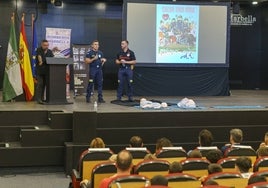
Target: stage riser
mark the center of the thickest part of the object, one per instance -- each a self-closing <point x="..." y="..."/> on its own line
<point x="15" y="118"/>
<point x="32" y="156"/>
<point x="45" y="137"/>
<point x="9" y="134"/>
<point x="61" y="120"/>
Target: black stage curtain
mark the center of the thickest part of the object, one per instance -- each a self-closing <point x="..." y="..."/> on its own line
<point x="188" y="81"/>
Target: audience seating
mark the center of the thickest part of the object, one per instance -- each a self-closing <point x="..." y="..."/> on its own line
<point x="227" y="164"/>
<point x="88" y="159"/>
<point x="129" y="181"/>
<point x="101" y="171"/>
<point x="195" y="166"/>
<point x="138" y="154"/>
<point x="172" y="154"/>
<point x="258" y="185"/>
<point x="260" y="164"/>
<point x="150" y="168"/>
<point x="240" y="150"/>
<point x="182" y="180"/>
<point x="228" y="179"/>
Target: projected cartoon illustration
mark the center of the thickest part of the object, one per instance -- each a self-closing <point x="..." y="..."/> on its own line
<point x="177" y="34"/>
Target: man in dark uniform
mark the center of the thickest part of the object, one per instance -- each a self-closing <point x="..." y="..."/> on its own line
<point x="95" y="60"/>
<point x="42" y="70"/>
<point x="126" y="60"/>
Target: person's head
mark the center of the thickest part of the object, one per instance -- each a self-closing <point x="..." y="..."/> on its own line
<point x="97" y="143"/>
<point x="214" y="168"/>
<point x="236" y="136"/>
<point x="213" y="156"/>
<point x="124" y="44"/>
<point x="175" y="167"/>
<point x="243" y="164"/>
<point x="205" y="138"/>
<point x="135" y="141"/>
<point x="266" y="138"/>
<point x="195" y="154"/>
<point x="159" y="180"/>
<point x="262" y="151"/>
<point x="95" y="45"/>
<point x="162" y="142"/>
<point x="44" y="44"/>
<point x="124" y="161"/>
<point x="256" y="179"/>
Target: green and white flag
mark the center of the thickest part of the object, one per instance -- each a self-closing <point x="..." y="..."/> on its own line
<point x="12" y="85"/>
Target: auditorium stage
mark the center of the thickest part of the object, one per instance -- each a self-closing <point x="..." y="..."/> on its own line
<point x="238" y="100"/>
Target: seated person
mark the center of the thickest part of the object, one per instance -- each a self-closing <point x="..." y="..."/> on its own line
<point x="123" y="165"/>
<point x="205" y="139"/>
<point x="150" y="156"/>
<point x="214" y="156"/>
<point x="97" y="143"/>
<point x="243" y="164"/>
<point x="256" y="179"/>
<point x="195" y="154"/>
<point x="236" y="137"/>
<point x="265" y="143"/>
<point x="175" y="167"/>
<point x="135" y="142"/>
<point x="262" y="152"/>
<point x="212" y="168"/>
<point x="162" y="142"/>
<point x="159" y="180"/>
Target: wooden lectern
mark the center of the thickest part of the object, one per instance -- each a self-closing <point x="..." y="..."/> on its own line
<point x="56" y="86"/>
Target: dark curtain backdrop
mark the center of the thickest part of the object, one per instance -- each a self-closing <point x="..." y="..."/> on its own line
<point x="181" y="81"/>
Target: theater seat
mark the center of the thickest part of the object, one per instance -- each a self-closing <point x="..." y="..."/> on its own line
<point x="241" y="150"/>
<point x="260" y="164"/>
<point x="138" y="154"/>
<point x="172" y="154"/>
<point x="150" y="168"/>
<point x="88" y="159"/>
<point x="258" y="185"/>
<point x="261" y="173"/>
<point x="182" y="180"/>
<point x="101" y="171"/>
<point x="227" y="164"/>
<point x="195" y="166"/>
<point x="205" y="150"/>
<point x="229" y="179"/>
<point x="129" y="181"/>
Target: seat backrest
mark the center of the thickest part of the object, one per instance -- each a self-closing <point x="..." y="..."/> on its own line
<point x="101" y="171"/>
<point x="258" y="185"/>
<point x="150" y="168"/>
<point x="130" y="181"/>
<point x="233" y="182"/>
<point x="227" y="164"/>
<point x="261" y="164"/>
<point x="182" y="180"/>
<point x="90" y="158"/>
<point x="138" y="154"/>
<point x="237" y="151"/>
<point x="205" y="150"/>
<point x="171" y="155"/>
<point x="195" y="166"/>
<point x="230" y="179"/>
<point x="261" y="173"/>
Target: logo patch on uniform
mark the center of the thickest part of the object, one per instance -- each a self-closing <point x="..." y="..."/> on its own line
<point x="128" y="54"/>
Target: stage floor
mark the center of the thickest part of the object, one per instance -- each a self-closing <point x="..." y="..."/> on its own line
<point x="238" y="100"/>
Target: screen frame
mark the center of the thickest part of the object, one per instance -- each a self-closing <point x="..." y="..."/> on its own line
<point x="228" y="28"/>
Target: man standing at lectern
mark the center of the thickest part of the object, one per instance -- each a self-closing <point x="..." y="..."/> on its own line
<point x="95" y="60"/>
<point x="126" y="60"/>
<point x="42" y="70"/>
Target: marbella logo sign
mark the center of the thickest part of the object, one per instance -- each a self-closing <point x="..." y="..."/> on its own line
<point x="238" y="20"/>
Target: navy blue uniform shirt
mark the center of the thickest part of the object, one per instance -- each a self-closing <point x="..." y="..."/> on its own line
<point x="96" y="63"/>
<point x="127" y="56"/>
